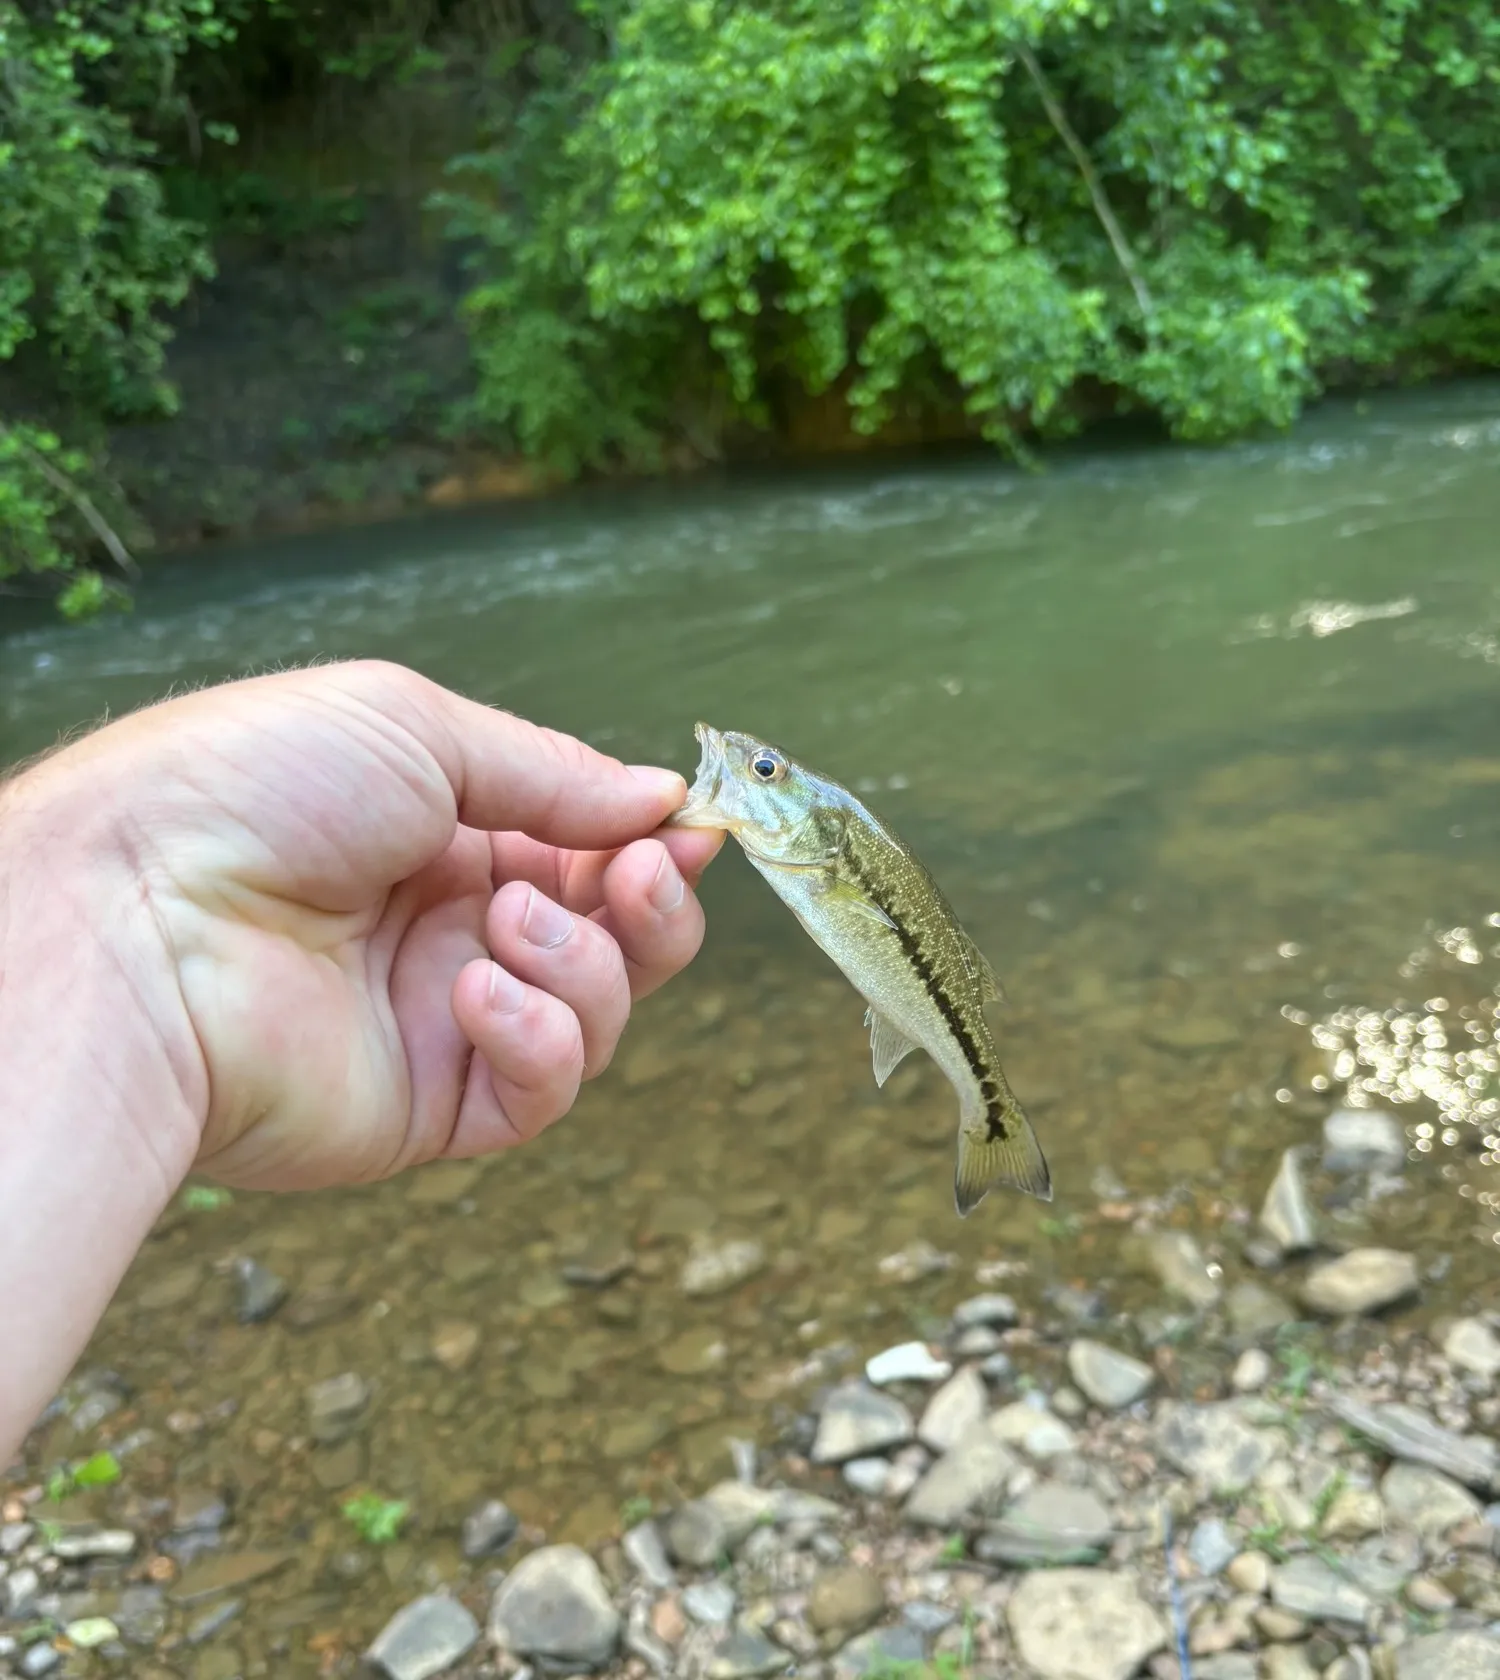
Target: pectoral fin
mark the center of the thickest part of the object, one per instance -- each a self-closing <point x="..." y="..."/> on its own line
<point x="851" y="898"/>
<point x="888" y="1044"/>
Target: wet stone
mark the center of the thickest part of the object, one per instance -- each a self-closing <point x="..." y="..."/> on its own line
<point x="1107" y="1377"/>
<point x="90" y="1632"/>
<point x="258" y="1291"/>
<point x="141" y="1614"/>
<point x="316" y="1308"/>
<point x="174" y="1288"/>
<point x="716" y="1268"/>
<point x="857" y="1421"/>
<point x="454" y="1344"/>
<point x="844" y="1601"/>
<point x="1052" y="1523"/>
<point x="225" y="1571"/>
<point x="1472" y="1346"/>
<point x="213" y="1621"/>
<point x="606" y="1259"/>
<point x="199" y="1511"/>
<point x="423" y="1639"/>
<point x="1466" y="1654"/>
<point x="1180" y="1265"/>
<point x="710" y="1603"/>
<point x="1362" y="1281"/>
<point x="960" y="1403"/>
<point x="1425" y="1500"/>
<point x="693" y="1352"/>
<point x="1406" y="1433"/>
<point x="743" y="1654"/>
<point x="993" y="1312"/>
<point x="1286" y="1216"/>
<point x="336" y="1407"/>
<point x="1083" y="1624"/>
<point x="442" y="1183"/>
<point x="1362" y="1140"/>
<point x="488" y="1529"/>
<point x="339" y="1467"/>
<point x="1214" y="1444"/>
<point x="554" y="1606"/>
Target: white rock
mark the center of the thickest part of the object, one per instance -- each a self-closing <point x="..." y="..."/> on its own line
<point x="1286" y="1216"/>
<point x="868" y="1476"/>
<point x="1109" y="1378"/>
<point x="1252" y="1371"/>
<point x="909" y="1362"/>
<point x="1361" y="1281"/>
<point x="1083" y="1624"/>
<point x="961" y="1402"/>
<point x="1359" y="1140"/>
<point x="1473" y="1346"/>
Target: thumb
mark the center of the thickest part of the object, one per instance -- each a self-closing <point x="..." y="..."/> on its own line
<point x="507" y="773"/>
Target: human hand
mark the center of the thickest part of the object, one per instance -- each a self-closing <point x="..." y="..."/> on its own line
<point x="394" y="925"/>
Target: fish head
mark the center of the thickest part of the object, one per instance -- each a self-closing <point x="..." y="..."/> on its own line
<point x="749" y="787"/>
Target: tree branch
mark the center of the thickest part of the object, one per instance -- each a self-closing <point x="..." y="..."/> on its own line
<point x="91" y="516"/>
<point x="1116" y="234"/>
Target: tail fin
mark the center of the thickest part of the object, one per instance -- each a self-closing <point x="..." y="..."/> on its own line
<point x="999" y="1150"/>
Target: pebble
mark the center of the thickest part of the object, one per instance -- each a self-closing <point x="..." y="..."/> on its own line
<point x="868" y="1476"/>
<point x="857" y="1421"/>
<point x="1250" y="1572"/>
<point x="993" y="1312"/>
<point x="39" y="1659"/>
<point x="1471" y="1345"/>
<point x="259" y="1293"/>
<point x="1083" y="1624"/>
<point x="606" y="1259"/>
<point x="1425" y="1594"/>
<point x="213" y="1621"/>
<point x="1211" y="1547"/>
<point x="643" y="1546"/>
<point x="1426" y="1500"/>
<point x="1406" y="1433"/>
<point x="554" y="1606"/>
<point x="1361" y="1140"/>
<point x="959" y="1404"/>
<point x="709" y="1602"/>
<point x="1354" y="1512"/>
<point x="1273" y="1623"/>
<point x="18" y="1592"/>
<point x="1036" y="1432"/>
<point x="1286" y="1215"/>
<point x="716" y="1268"/>
<point x="454" y="1344"/>
<point x="1180" y="1265"/>
<point x="909" y="1362"/>
<point x="743" y="1654"/>
<point x="423" y="1639"/>
<point x="977" y="1342"/>
<point x="668" y="1622"/>
<point x="695" y="1535"/>
<point x="225" y="1570"/>
<point x="844" y="1601"/>
<point x="1107" y="1377"/>
<point x="141" y="1614"/>
<point x="94" y="1543"/>
<point x="1362" y="1281"/>
<point x="13" y="1536"/>
<point x="488" y="1529"/>
<point x="1214" y="1444"/>
<point x="1288" y="1662"/>
<point x="335" y="1407"/>
<point x="1252" y="1371"/>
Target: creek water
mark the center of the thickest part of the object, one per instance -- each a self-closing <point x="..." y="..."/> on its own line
<point x="1200" y="744"/>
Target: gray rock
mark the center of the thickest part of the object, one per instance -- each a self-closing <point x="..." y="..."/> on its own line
<point x="907" y="1362"/>
<point x="488" y="1529"/>
<point x="1254" y="1311"/>
<point x="18" y="1592"/>
<point x="927" y="1618"/>
<point x="1406" y="1433"/>
<point x="1180" y="1265"/>
<point x="1309" y="1587"/>
<point x="1052" y="1523"/>
<point x="141" y="1614"/>
<point x="996" y="1312"/>
<point x="336" y="1407"/>
<point x="1032" y="1428"/>
<point x="1211" y="1547"/>
<point x="1362" y="1281"/>
<point x="881" y="1651"/>
<point x="844" y="1601"/>
<point x="426" y="1637"/>
<point x="1109" y="1378"/>
<point x="967" y="1478"/>
<point x="93" y="1543"/>
<point x="1214" y="1444"/>
<point x="13" y="1536"/>
<point x="1286" y="1215"/>
<point x="867" y="1475"/>
<point x="857" y="1421"/>
<point x="258" y="1292"/>
<point x="1361" y="1140"/>
<point x="554" y="1606"/>
<point x="39" y="1659"/>
<point x="1381" y="1565"/>
<point x="959" y="1404"/>
<point x="1225" y="1665"/>
<point x="1426" y="1500"/>
<point x="709" y="1602"/>
<point x="640" y="1640"/>
<point x="743" y="1654"/>
<point x="1083" y="1624"/>
<point x="648" y="1556"/>
<point x="1472" y="1346"/>
<point x="715" y="1268"/>
<point x="1467" y="1654"/>
<point x="696" y="1535"/>
<point x="979" y="1341"/>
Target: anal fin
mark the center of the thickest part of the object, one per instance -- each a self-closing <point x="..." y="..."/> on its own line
<point x="888" y="1044"/>
<point x="1000" y="1150"/>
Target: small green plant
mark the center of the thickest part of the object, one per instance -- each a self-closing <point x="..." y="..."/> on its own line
<point x="205" y="1198"/>
<point x="634" y="1510"/>
<point x="954" y="1549"/>
<point x="99" y="1471"/>
<point x="1060" y="1227"/>
<point x="1267" y="1537"/>
<point x="378" y="1521"/>
<point x="1324" y="1503"/>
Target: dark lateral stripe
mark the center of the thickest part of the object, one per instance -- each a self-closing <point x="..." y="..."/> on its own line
<point x="993" y="1113"/>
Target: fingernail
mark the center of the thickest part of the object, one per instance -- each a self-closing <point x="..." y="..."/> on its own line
<point x="507" y="994"/>
<point x="545" y="923"/>
<point x="666" y="784"/>
<point x="668" y="887"/>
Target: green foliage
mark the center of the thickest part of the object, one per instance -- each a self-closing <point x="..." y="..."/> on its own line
<point x="1199" y="205"/>
<point x="205" y="1198"/>
<point x="102" y="1470"/>
<point x="376" y="1520"/>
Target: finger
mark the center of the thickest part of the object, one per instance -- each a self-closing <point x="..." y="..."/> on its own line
<point x="528" y="1062"/>
<point x="576" y="879"/>
<point x="570" y="957"/>
<point x="652" y="914"/>
<point x="506" y="773"/>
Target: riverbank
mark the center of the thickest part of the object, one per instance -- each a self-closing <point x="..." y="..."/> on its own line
<point x="1290" y="1480"/>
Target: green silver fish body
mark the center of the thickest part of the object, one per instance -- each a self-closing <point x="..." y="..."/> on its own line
<point x="867" y="901"/>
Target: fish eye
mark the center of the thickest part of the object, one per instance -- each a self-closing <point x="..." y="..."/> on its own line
<point x="768" y="767"/>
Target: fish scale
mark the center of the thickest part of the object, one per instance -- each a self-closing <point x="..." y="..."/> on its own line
<point x="869" y="903"/>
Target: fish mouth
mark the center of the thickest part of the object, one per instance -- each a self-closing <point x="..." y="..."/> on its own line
<point x="700" y="809"/>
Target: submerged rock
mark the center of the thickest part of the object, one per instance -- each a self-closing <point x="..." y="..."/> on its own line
<point x="715" y="1268"/>
<point x="488" y="1529"/>
<point x="1361" y="1140"/>
<point x="258" y="1291"/>
<point x="554" y="1606"/>
<point x="336" y="1407"/>
<point x="1361" y="1281"/>
<point x="1180" y="1265"/>
<point x="1286" y="1216"/>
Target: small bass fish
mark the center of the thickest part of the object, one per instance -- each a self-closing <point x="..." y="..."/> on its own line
<point x="870" y="905"/>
